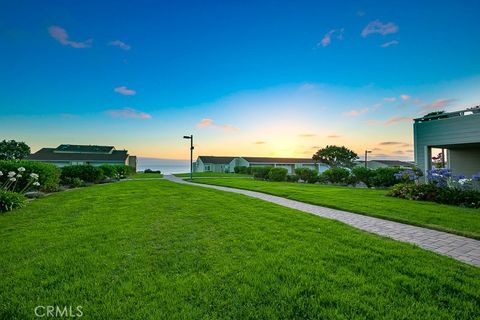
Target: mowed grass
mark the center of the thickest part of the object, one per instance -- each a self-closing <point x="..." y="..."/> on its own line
<point x="143" y="175"/>
<point x="154" y="249"/>
<point x="212" y="174"/>
<point x="462" y="221"/>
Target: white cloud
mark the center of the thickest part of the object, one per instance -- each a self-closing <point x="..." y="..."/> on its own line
<point x="379" y="27"/>
<point x="125" y="91"/>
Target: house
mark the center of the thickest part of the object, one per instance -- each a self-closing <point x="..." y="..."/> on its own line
<point x="70" y="154"/>
<point x="375" y="164"/>
<point x="214" y="164"/>
<point x="456" y="134"/>
<point x="228" y="164"/>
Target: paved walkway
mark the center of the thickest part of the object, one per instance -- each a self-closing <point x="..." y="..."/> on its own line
<point x="457" y="247"/>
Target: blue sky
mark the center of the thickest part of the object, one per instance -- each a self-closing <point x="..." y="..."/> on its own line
<point x="246" y="77"/>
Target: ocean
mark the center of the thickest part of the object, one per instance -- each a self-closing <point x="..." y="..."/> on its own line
<point x="166" y="166"/>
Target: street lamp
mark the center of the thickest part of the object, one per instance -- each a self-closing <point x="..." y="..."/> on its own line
<point x="366" y="153"/>
<point x="191" y="154"/>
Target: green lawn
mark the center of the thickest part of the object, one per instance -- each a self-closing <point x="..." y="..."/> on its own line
<point x="213" y="174"/>
<point x="142" y="175"/>
<point x="462" y="221"/>
<point x="140" y="250"/>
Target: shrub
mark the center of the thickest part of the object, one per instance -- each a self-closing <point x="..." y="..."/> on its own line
<point x="408" y="175"/>
<point x="277" y="174"/>
<point x="362" y="174"/>
<point x="336" y="175"/>
<point x="123" y="171"/>
<point x="86" y="173"/>
<point x="152" y="171"/>
<point x="292" y="178"/>
<point x="306" y="174"/>
<point x="11" y="200"/>
<point x="261" y="172"/>
<point x="48" y="174"/>
<point x="108" y="170"/>
<point x="432" y="192"/>
<point x="242" y="169"/>
<point x="385" y="177"/>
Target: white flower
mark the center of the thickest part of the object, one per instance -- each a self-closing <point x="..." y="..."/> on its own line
<point x="36" y="184"/>
<point x="11" y="174"/>
<point x="13" y="179"/>
<point x="19" y="175"/>
<point x="1" y="173"/>
<point x="21" y="169"/>
<point x="463" y="181"/>
<point x="34" y="176"/>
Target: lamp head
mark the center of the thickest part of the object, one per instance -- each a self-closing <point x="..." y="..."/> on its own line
<point x="187" y="137"/>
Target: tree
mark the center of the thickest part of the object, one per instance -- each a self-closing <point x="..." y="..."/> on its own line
<point x="13" y="150"/>
<point x="336" y="156"/>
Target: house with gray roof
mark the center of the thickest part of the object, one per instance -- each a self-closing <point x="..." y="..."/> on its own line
<point x="375" y="164"/>
<point x="71" y="154"/>
<point x="456" y="134"/>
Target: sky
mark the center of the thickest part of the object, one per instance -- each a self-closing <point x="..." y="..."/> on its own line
<point x="246" y="78"/>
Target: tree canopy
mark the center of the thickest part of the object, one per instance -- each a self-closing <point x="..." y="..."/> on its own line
<point x="13" y="150"/>
<point x="336" y="156"/>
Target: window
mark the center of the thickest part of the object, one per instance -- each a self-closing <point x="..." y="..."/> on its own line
<point x="207" y="168"/>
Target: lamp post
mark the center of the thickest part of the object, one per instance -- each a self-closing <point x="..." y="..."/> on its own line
<point x="191" y="154"/>
<point x="366" y="155"/>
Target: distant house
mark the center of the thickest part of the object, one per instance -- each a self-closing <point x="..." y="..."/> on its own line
<point x="70" y="154"/>
<point x="214" y="164"/>
<point x="228" y="164"/>
<point x="375" y="164"/>
<point x="457" y="134"/>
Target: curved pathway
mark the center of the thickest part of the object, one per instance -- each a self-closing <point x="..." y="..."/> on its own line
<point x="457" y="247"/>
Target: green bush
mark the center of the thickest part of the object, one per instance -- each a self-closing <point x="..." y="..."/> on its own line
<point x="48" y="174"/>
<point x="123" y="171"/>
<point x="277" y="174"/>
<point x="292" y="178"/>
<point x="152" y="171"/>
<point x="362" y="174"/>
<point x="307" y="174"/>
<point x="11" y="200"/>
<point x="261" y="172"/>
<point x="108" y="170"/>
<point x="86" y="173"/>
<point x="385" y="177"/>
<point x="242" y="169"/>
<point x="431" y="192"/>
<point x="336" y="175"/>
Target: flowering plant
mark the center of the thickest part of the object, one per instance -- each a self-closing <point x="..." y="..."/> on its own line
<point x="12" y="179"/>
<point x="444" y="178"/>
<point x="407" y="175"/>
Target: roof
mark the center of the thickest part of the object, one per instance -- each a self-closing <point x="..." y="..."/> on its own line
<point x="49" y="154"/>
<point x="394" y="163"/>
<point x="279" y="160"/>
<point x="83" y="148"/>
<point x="216" y="160"/>
<point x="439" y="115"/>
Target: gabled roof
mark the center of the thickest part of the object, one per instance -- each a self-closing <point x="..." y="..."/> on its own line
<point x="83" y="148"/>
<point x="216" y="160"/>
<point x="49" y="154"/>
<point x="279" y="160"/>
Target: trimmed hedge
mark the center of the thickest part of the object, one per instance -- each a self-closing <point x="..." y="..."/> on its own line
<point x="362" y="174"/>
<point x="307" y="175"/>
<point x="86" y="173"/>
<point x="243" y="169"/>
<point x="260" y="172"/>
<point x="336" y="175"/>
<point x="48" y="174"/>
<point x="385" y="177"/>
<point x="277" y="174"/>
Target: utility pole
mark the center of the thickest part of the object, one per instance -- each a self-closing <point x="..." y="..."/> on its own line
<point x="191" y="154"/>
<point x="366" y="155"/>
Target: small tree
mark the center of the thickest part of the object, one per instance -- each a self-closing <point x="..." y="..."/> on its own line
<point x="13" y="150"/>
<point x="336" y="156"/>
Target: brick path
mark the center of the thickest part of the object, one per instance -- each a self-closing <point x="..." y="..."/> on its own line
<point x="457" y="247"/>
